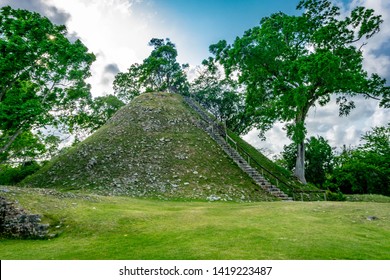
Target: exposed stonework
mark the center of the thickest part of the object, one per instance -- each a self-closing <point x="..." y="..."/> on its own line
<point x="16" y="222"/>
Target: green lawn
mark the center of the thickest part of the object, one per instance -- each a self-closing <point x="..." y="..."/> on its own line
<point x="97" y="227"/>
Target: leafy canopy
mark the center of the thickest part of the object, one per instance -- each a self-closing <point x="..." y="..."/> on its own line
<point x="220" y="96"/>
<point x="365" y="169"/>
<point x="94" y="115"/>
<point x="158" y="72"/>
<point x="42" y="78"/>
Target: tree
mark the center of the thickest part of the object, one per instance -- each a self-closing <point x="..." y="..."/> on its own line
<point x="94" y="115"/>
<point x="158" y="72"/>
<point x="220" y="96"/>
<point x="42" y="77"/>
<point x="292" y="63"/>
<point x="127" y="85"/>
<point x="11" y="175"/>
<point x="103" y="108"/>
<point x="161" y="71"/>
<point x="318" y="160"/>
<point x="378" y="141"/>
<point x="365" y="169"/>
<point x="26" y="147"/>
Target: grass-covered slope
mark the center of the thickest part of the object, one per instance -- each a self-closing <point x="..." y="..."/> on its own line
<point x="152" y="147"/>
<point x="101" y="227"/>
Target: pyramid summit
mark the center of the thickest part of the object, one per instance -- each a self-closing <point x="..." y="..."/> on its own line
<point x="152" y="147"/>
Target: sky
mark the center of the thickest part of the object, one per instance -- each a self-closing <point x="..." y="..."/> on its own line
<point x="118" y="32"/>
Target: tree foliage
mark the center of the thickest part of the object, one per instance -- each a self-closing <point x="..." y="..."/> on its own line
<point x="103" y="108"/>
<point x="11" y="175"/>
<point x="365" y="169"/>
<point x="42" y="78"/>
<point x="319" y="159"/>
<point x="220" y="96"/>
<point x="158" y="72"/>
<point x="292" y="63"/>
<point x="127" y="85"/>
<point x="378" y="141"/>
<point x="94" y="115"/>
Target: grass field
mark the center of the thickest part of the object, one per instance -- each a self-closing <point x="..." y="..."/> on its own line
<point x="98" y="227"/>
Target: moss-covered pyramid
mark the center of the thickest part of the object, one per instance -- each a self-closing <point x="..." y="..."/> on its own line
<point x="152" y="147"/>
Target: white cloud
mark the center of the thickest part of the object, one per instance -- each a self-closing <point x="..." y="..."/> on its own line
<point x="41" y="7"/>
<point x="117" y="31"/>
<point x="275" y="140"/>
<point x="377" y="51"/>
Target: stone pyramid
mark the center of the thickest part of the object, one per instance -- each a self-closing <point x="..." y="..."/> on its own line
<point x="153" y="147"/>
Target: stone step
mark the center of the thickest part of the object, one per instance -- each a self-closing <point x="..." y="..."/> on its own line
<point x="247" y="168"/>
<point x="273" y="189"/>
<point x="278" y="193"/>
<point x="257" y="176"/>
<point x="264" y="186"/>
<point x="262" y="181"/>
<point x="265" y="183"/>
<point x="235" y="156"/>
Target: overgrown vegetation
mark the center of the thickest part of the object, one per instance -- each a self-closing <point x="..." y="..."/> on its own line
<point x="10" y="175"/>
<point x="361" y="170"/>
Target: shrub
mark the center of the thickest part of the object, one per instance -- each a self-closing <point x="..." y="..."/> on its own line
<point x="12" y="175"/>
<point x="335" y="196"/>
<point x="361" y="174"/>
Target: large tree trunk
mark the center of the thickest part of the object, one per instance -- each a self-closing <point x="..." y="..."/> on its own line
<point x="300" y="163"/>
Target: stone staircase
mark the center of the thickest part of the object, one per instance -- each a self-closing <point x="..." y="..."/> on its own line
<point x="215" y="131"/>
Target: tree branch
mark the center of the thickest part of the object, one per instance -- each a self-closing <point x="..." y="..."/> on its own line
<point x="370" y="96"/>
<point x="11" y="140"/>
